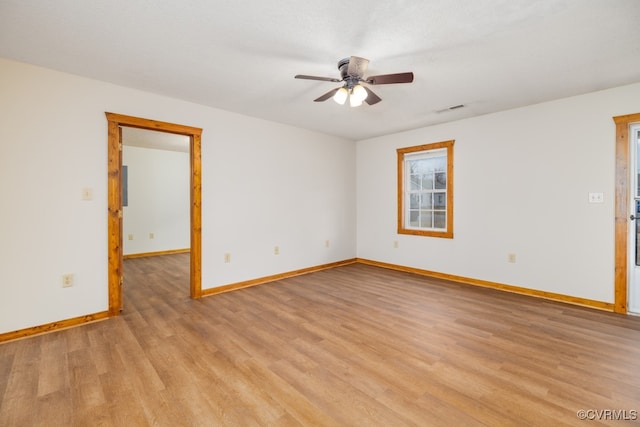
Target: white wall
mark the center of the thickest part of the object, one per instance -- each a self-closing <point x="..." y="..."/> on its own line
<point x="274" y="185"/>
<point x="158" y="195"/>
<point x="522" y="179"/>
<point x="263" y="184"/>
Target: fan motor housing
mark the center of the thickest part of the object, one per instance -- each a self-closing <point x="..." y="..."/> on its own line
<point x="343" y="66"/>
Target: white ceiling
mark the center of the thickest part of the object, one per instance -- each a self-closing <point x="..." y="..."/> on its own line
<point x="156" y="140"/>
<point x="241" y="55"/>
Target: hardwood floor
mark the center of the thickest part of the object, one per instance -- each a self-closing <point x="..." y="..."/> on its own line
<point x="354" y="345"/>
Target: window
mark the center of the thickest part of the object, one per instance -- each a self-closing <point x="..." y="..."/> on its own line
<point x="425" y="190"/>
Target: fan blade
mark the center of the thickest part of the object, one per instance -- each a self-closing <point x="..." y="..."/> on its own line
<point x="385" y="79"/>
<point x="324" y="79"/>
<point x="372" y="98"/>
<point x="327" y="95"/>
<point x="357" y="66"/>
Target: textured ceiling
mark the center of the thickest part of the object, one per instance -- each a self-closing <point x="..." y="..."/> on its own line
<point x="241" y="56"/>
<point x="155" y="140"/>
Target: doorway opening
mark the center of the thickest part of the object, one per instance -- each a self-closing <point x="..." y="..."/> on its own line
<point x="155" y="197"/>
<point x="633" y="305"/>
<point x="115" y="210"/>
<point x="623" y="210"/>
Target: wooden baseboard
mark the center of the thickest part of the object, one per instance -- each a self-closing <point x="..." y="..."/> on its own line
<point x="53" y="326"/>
<point x="267" y="279"/>
<point x="500" y="286"/>
<point x="68" y="323"/>
<point x="145" y="254"/>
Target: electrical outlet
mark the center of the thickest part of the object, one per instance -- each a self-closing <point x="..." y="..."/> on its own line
<point x="326" y="243"/>
<point x="395" y="244"/>
<point x="67" y="280"/>
<point x="276" y="250"/>
<point x="596" y="198"/>
<point x="130" y="236"/>
<point x="511" y="258"/>
<point x="227" y="257"/>
<point x="151" y="236"/>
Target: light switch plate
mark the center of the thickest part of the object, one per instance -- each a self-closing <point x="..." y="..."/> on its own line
<point x="87" y="194"/>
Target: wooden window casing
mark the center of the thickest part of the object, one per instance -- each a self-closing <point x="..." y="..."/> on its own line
<point x="403" y="203"/>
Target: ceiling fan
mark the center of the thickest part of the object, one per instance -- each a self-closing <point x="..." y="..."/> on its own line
<point x="352" y="74"/>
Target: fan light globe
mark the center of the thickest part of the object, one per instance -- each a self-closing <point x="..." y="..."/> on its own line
<point x="341" y="96"/>
<point x="359" y="93"/>
<point x="354" y="101"/>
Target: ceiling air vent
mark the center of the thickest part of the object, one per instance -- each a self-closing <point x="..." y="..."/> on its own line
<point x="453" y="107"/>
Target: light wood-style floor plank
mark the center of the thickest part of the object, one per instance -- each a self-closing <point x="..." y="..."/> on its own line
<point x="354" y="345"/>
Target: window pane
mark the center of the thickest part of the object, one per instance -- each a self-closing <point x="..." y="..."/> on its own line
<point x="441" y="180"/>
<point x="439" y="220"/>
<point x="426" y="218"/>
<point x="413" y="219"/>
<point x="440" y="201"/>
<point x="440" y="164"/>
<point x="415" y="182"/>
<point x="421" y="166"/>
<point x="426" y="201"/>
<point x="415" y="201"/>
<point x="427" y="181"/>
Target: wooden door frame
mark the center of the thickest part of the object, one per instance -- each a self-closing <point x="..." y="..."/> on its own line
<point x="622" y="210"/>
<point x="115" y="251"/>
